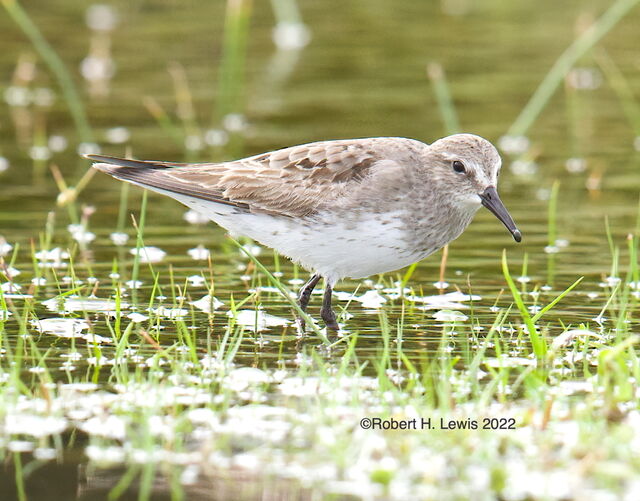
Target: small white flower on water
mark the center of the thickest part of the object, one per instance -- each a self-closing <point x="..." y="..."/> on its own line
<point x="10" y="272"/>
<point x="450" y="316"/>
<point x="196" y="280"/>
<point x="567" y="337"/>
<point x="199" y="253"/>
<point x="134" y="284"/>
<point x="80" y="234"/>
<point x="189" y="475"/>
<point x="63" y="327"/>
<point x="506" y="361"/>
<point x="207" y="303"/>
<point x="33" y="425"/>
<point x="95" y="68"/>
<point x="193" y="143"/>
<point x="195" y="217"/>
<point x="552" y="249"/>
<point x="101" y="17"/>
<point x="45" y="453"/>
<point x="613" y="281"/>
<point x="172" y="313"/>
<point x="40" y="153"/>
<point x="58" y="143"/>
<point x="149" y="254"/>
<point x="10" y="287"/>
<point x="118" y="135"/>
<point x="449" y="301"/>
<point x="76" y="303"/>
<point x="137" y="317"/>
<point x="88" y="149"/>
<point x="371" y="299"/>
<point x="441" y="285"/>
<point x="257" y="320"/>
<point x="243" y="377"/>
<point x="290" y="35"/>
<point x="234" y="122"/>
<point x="523" y="168"/>
<point x="575" y="165"/>
<point x="5" y="247"/>
<point x="584" y="78"/>
<point x="54" y="255"/>
<point x="109" y="426"/>
<point x="20" y="446"/>
<point x="16" y="95"/>
<point x="216" y="137"/>
<point x="105" y="455"/>
<point x="119" y="238"/>
<point x="514" y="145"/>
<point x="254" y="250"/>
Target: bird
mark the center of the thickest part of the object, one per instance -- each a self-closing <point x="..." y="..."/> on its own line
<point x="346" y="208"/>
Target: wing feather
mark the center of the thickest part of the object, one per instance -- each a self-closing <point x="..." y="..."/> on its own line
<point x="293" y="181"/>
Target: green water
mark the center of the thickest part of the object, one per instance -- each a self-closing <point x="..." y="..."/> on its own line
<point x="362" y="74"/>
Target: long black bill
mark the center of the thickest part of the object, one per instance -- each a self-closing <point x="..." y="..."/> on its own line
<point x="491" y="201"/>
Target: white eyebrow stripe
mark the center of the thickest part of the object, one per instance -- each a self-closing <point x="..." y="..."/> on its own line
<point x="450" y="156"/>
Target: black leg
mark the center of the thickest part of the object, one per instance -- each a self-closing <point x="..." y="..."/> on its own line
<point x="305" y="295"/>
<point x="307" y="289"/>
<point x="327" y="313"/>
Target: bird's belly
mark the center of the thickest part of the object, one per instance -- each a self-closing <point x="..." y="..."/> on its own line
<point x="336" y="247"/>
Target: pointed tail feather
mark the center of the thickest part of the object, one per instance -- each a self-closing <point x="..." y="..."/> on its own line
<point x="149" y="174"/>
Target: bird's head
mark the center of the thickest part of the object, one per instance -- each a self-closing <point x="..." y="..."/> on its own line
<point x="469" y="166"/>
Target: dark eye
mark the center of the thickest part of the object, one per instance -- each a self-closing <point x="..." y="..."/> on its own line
<point x="458" y="166"/>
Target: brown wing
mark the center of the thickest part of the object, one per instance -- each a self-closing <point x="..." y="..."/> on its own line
<point x="293" y="181"/>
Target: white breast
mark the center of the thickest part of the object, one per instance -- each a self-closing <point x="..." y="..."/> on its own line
<point x="353" y="247"/>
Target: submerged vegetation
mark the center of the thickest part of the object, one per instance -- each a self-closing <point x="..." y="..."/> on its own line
<point x="139" y="359"/>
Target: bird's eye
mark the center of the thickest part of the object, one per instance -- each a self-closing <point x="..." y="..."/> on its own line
<point x="458" y="166"/>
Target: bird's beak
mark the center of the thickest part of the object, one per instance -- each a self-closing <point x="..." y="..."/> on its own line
<point x="491" y="201"/>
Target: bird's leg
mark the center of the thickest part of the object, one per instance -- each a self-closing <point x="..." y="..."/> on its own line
<point x="305" y="295"/>
<point x="326" y="312"/>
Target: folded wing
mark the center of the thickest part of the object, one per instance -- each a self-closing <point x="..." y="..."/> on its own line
<point x="292" y="182"/>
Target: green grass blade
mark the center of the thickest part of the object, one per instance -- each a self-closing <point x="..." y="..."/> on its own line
<point x="563" y="64"/>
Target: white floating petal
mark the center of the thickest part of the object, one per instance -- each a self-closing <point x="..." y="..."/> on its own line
<point x="149" y="254"/>
<point x="207" y="303"/>
<point x="257" y="320"/>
